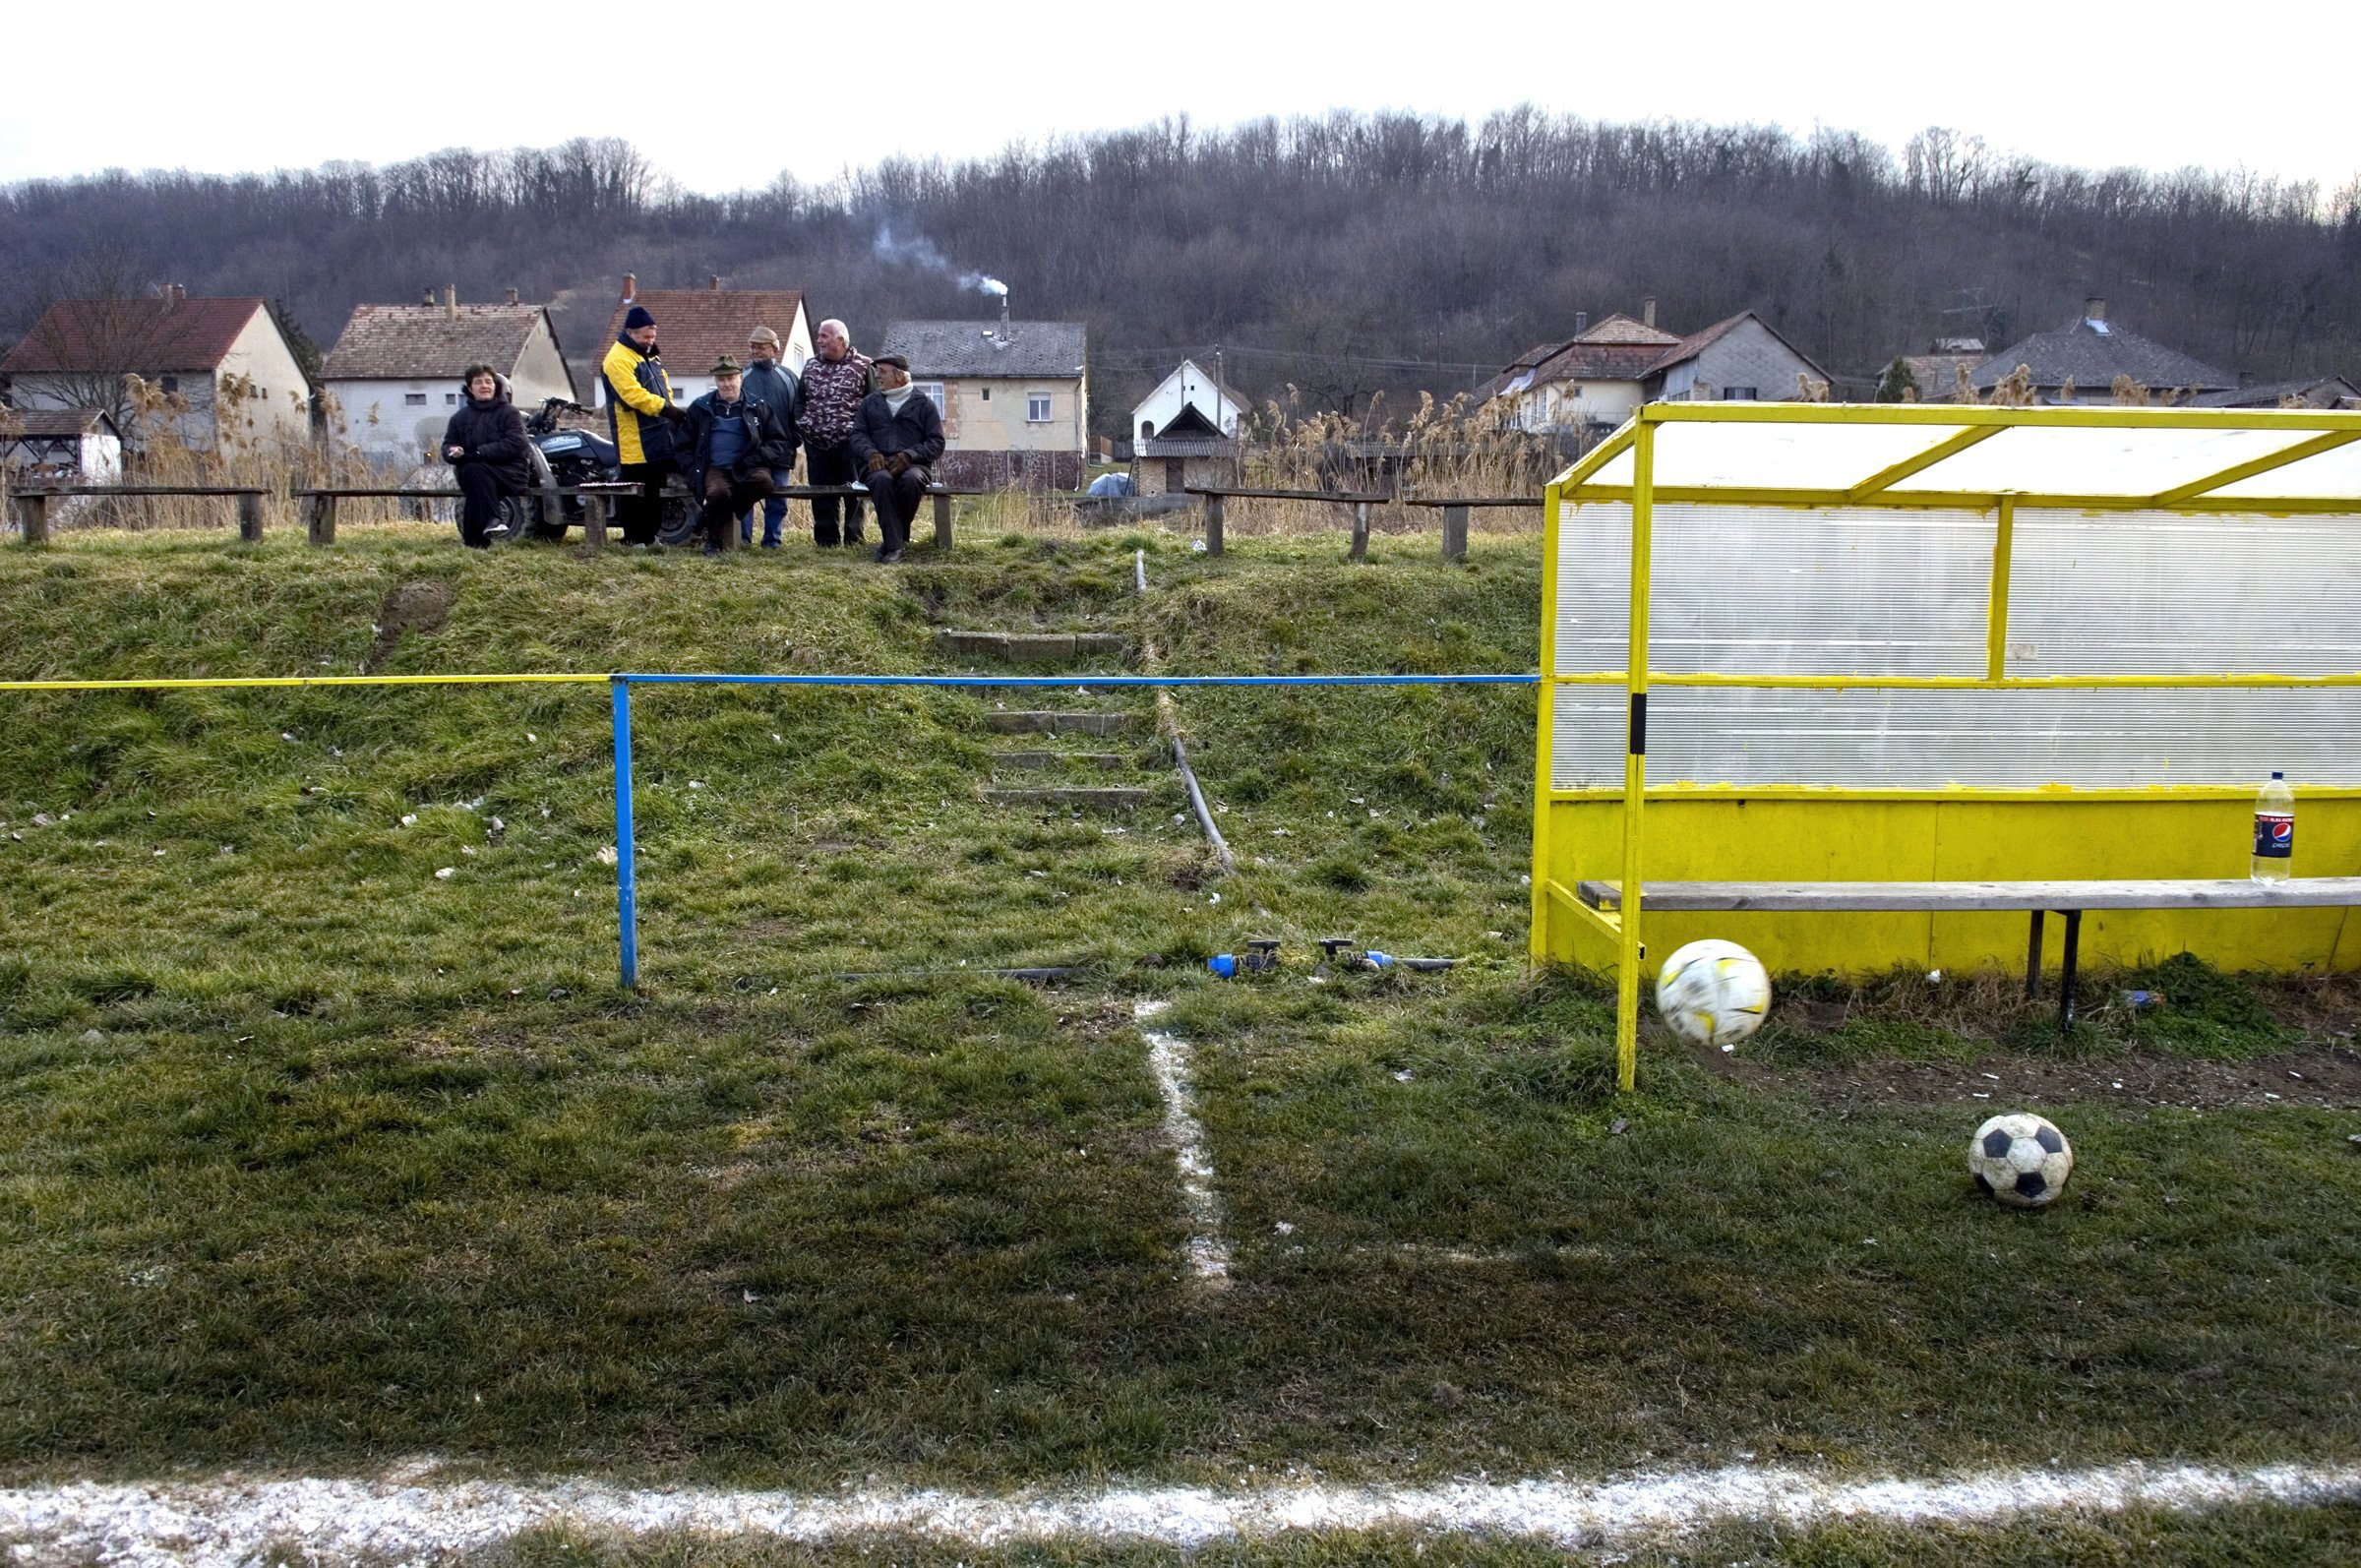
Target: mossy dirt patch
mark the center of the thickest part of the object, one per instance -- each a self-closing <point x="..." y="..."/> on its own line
<point x="413" y="607"/>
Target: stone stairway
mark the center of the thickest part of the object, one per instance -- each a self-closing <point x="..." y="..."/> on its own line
<point x="1057" y="777"/>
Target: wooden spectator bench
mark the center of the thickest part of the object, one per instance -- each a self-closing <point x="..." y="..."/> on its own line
<point x="2068" y="898"/>
<point x="941" y="494"/>
<point x="1455" y="516"/>
<point x="32" y="503"/>
<point x="1360" y="501"/>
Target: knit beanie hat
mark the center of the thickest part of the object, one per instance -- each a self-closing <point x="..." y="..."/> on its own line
<point x="636" y="318"/>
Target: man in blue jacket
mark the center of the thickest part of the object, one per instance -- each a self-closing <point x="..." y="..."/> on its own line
<point x="771" y="384"/>
<point x="897" y="437"/>
<point x="737" y="447"/>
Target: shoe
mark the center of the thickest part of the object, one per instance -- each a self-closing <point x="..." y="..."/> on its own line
<point x="854" y="538"/>
<point x="495" y="531"/>
<point x="770" y="544"/>
<point x="712" y="550"/>
<point x="888" y="555"/>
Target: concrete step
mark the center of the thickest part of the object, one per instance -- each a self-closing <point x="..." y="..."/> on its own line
<point x="1102" y="800"/>
<point x="1058" y="722"/>
<point x="1018" y="761"/>
<point x="1033" y="648"/>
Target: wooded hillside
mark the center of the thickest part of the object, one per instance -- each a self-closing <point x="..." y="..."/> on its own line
<point x="1345" y="254"/>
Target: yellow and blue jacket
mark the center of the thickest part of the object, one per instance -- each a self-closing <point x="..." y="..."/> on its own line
<point x="638" y="393"/>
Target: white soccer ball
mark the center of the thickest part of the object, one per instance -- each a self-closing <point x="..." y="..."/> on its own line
<point x="2022" y="1158"/>
<point x="1714" y="992"/>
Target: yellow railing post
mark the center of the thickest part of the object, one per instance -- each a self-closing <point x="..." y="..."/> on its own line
<point x="1635" y="753"/>
<point x="1544" y="764"/>
<point x="1996" y="607"/>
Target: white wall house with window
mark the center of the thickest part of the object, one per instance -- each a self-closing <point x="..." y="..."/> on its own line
<point x="1015" y="398"/>
<point x="1596" y="378"/>
<point x="393" y="377"/>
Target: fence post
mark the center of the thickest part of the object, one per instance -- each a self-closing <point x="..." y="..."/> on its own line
<point x="626" y="890"/>
<point x="594" y="521"/>
<point x="323" y="520"/>
<point x="250" y="516"/>
<point x="1361" y="532"/>
<point x="1213" y="526"/>
<point x="1455" y="533"/>
<point x="33" y="511"/>
<point x="942" y="525"/>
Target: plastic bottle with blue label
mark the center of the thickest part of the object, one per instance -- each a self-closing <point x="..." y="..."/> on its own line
<point x="2275" y="831"/>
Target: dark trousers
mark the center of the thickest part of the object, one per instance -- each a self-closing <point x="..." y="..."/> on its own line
<point x="640" y="515"/>
<point x="832" y="466"/>
<point x="726" y="496"/>
<point x="896" y="497"/>
<point x="479" y="506"/>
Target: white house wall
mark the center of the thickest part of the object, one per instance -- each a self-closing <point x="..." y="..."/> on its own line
<point x="261" y="356"/>
<point x="1187" y="385"/>
<point x="376" y="417"/>
<point x="540" y="372"/>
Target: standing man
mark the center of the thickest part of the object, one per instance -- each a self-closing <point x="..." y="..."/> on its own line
<point x="773" y="384"/>
<point x="735" y="447"/>
<point x="898" y="435"/>
<point x="835" y="380"/>
<point x="640" y="416"/>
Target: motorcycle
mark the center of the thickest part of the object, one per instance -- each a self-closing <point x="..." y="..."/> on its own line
<point x="565" y="456"/>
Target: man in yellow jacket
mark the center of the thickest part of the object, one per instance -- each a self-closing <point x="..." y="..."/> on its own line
<point x="642" y="418"/>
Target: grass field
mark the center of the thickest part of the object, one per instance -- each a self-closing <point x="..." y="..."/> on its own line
<point x="313" y="1161"/>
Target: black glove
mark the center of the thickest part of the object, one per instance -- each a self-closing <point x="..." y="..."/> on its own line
<point x="676" y="413"/>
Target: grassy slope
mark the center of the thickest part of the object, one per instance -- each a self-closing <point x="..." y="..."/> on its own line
<point x="361" y="1163"/>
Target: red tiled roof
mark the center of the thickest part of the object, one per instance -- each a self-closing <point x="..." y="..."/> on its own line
<point x="697" y="326"/>
<point x="131" y="334"/>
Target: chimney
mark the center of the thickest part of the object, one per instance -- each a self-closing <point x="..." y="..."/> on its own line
<point x="2094" y="308"/>
<point x="631" y="287"/>
<point x="713" y="282"/>
<point x="175" y="294"/>
<point x="2246" y="379"/>
<point x="451" y="301"/>
<point x="1582" y="322"/>
<point x="1005" y="334"/>
<point x="426" y="295"/>
<point x="512" y="296"/>
<point x="1648" y="311"/>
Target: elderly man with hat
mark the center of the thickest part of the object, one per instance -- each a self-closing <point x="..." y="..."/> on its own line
<point x="642" y="418"/>
<point x="770" y="383"/>
<point x="896" y="438"/>
<point x="738" y="448"/>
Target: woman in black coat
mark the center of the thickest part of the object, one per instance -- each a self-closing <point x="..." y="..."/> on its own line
<point x="485" y="444"/>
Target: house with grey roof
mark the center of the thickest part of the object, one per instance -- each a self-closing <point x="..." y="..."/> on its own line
<point x="1015" y="398"/>
<point x="393" y="373"/>
<point x="2304" y="391"/>
<point x="1596" y="378"/>
<point x="2088" y="353"/>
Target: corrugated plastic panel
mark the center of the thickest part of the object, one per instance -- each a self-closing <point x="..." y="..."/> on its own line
<point x="2069" y="461"/>
<point x="2159" y="593"/>
<point x="1779" y="591"/>
<point x="1993" y="740"/>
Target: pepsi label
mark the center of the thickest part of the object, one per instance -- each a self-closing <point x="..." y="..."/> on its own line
<point x="2274" y="834"/>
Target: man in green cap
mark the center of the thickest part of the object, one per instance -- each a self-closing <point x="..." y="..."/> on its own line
<point x="739" y="450"/>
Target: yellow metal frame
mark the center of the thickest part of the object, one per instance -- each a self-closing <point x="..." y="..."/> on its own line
<point x="1972" y="425"/>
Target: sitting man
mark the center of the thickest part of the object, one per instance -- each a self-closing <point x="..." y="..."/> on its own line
<point x="739" y="450"/>
<point x="895" y="437"/>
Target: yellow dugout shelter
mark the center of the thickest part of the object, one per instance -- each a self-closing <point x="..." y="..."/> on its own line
<point x="1918" y="642"/>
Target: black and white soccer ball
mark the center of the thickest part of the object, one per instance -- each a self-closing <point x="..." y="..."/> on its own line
<point x="1714" y="992"/>
<point x="2021" y="1159"/>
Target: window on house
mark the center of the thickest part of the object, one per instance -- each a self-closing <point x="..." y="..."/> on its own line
<point x="933" y="392"/>
<point x="413" y="399"/>
<point x="987" y="394"/>
<point x="1036" y="409"/>
<point x="451" y="399"/>
<point x="1739" y="395"/>
<point x="170" y="384"/>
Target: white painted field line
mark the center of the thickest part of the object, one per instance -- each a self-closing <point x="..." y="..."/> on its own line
<point x="1168" y="1057"/>
<point x="223" y="1522"/>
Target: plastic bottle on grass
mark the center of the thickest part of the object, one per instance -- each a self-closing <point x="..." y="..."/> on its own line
<point x="2274" y="830"/>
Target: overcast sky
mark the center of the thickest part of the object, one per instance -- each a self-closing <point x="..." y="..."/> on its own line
<point x="2268" y="86"/>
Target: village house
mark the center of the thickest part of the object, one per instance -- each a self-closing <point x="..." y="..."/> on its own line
<point x="230" y="377"/>
<point x="393" y="377"/>
<point x="1933" y="376"/>
<point x="59" y="446"/>
<point x="696" y="326"/>
<point x="1015" y="398"/>
<point x="1187" y="433"/>
<point x="1596" y="378"/>
<point x="2087" y="354"/>
<point x="2304" y="391"/>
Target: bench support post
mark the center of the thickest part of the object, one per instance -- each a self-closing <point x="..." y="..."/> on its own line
<point x="250" y="517"/>
<point x="1455" y="533"/>
<point x="943" y="525"/>
<point x="594" y="520"/>
<point x="2074" y="931"/>
<point x="1213" y="526"/>
<point x="33" y="511"/>
<point x="323" y="521"/>
<point x="2032" y="959"/>
<point x="1361" y="532"/>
